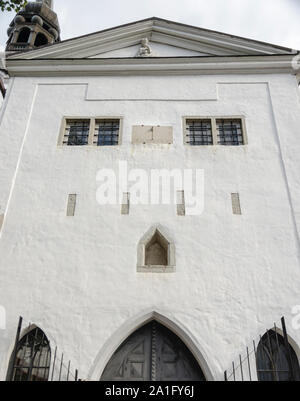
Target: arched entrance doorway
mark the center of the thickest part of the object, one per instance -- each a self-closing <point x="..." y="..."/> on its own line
<point x="152" y="353"/>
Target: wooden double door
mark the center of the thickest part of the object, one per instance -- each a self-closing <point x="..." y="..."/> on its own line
<point x="153" y="353"/>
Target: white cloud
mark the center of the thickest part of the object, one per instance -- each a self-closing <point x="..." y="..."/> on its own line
<point x="274" y="21"/>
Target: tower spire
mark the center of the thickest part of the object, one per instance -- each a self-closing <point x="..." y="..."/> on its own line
<point x="48" y="3"/>
<point x="34" y="26"/>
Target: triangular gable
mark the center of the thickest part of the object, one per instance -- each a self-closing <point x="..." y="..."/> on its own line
<point x="173" y="40"/>
<point x="157" y="50"/>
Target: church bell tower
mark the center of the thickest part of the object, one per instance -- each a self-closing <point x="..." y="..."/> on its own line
<point x="34" y="26"/>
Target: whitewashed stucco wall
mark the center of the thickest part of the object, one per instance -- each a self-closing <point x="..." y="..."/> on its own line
<point x="76" y="277"/>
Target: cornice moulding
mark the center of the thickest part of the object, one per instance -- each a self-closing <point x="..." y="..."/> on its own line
<point x="154" y="66"/>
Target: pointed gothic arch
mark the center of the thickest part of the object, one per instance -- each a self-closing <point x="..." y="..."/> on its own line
<point x="30" y="361"/>
<point x="153" y="353"/>
<point x="156" y="251"/>
<point x="132" y="325"/>
<point x="276" y="360"/>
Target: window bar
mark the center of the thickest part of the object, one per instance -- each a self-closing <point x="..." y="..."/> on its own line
<point x="233" y="132"/>
<point x="263" y="352"/>
<point x="40" y="351"/>
<point x="76" y="375"/>
<point x="76" y="133"/>
<point x="278" y="346"/>
<point x="2" y="88"/>
<point x="249" y="367"/>
<point x="225" y="376"/>
<point x="241" y="366"/>
<point x="54" y="361"/>
<point x="61" y="364"/>
<point x="11" y="375"/>
<point x="199" y="132"/>
<point x="230" y="132"/>
<point x="254" y="348"/>
<point x="33" y="353"/>
<point x="287" y="346"/>
<point x="47" y="363"/>
<point x="107" y="132"/>
<point x="18" y="368"/>
<point x="69" y="364"/>
<point x="271" y="353"/>
<point x="233" y="371"/>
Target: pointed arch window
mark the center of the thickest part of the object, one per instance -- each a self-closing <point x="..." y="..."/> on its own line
<point x="276" y="361"/>
<point x="33" y="356"/>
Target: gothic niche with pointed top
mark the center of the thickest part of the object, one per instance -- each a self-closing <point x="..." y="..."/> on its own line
<point x="156" y="252"/>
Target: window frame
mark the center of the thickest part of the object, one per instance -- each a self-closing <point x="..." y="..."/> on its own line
<point x="92" y="128"/>
<point x="214" y="129"/>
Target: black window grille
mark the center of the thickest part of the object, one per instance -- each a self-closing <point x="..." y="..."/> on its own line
<point x="77" y="133"/>
<point x="199" y="132"/>
<point x="276" y="360"/>
<point x="33" y="355"/>
<point x="107" y="132"/>
<point x="230" y="132"/>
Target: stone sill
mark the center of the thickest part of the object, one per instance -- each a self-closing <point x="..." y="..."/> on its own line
<point x="155" y="269"/>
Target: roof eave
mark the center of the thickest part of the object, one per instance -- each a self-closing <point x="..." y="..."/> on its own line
<point x="153" y="66"/>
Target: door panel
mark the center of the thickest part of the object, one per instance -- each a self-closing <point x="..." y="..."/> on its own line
<point x="152" y="353"/>
<point x="131" y="360"/>
<point x="174" y="361"/>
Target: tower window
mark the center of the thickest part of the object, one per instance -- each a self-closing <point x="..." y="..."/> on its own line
<point x="230" y="132"/>
<point x="199" y="132"/>
<point x="76" y="132"/>
<point x="106" y="132"/>
<point x="24" y="35"/>
<point x="40" y="40"/>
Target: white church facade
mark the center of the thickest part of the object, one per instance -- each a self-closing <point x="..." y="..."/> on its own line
<point x="141" y="288"/>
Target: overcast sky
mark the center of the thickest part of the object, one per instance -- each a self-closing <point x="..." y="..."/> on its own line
<point x="274" y="21"/>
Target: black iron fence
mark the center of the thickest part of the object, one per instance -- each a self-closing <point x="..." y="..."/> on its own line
<point x="269" y="358"/>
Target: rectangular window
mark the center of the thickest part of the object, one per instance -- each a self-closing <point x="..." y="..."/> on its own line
<point x="230" y="132"/>
<point x="90" y="131"/>
<point x="106" y="132"/>
<point x="199" y="132"/>
<point x="76" y="133"/>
